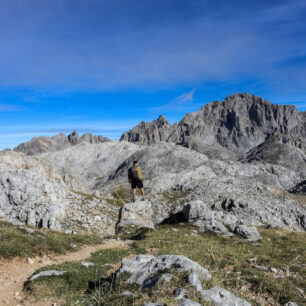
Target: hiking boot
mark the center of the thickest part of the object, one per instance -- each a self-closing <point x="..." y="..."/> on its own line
<point x="143" y="199"/>
<point x="133" y="200"/>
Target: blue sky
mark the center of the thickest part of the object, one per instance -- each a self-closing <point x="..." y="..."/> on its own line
<point x="103" y="66"/>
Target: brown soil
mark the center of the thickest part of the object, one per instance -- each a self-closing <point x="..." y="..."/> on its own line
<point x="14" y="273"/>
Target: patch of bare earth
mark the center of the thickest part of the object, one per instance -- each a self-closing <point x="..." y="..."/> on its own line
<point x="14" y="273"/>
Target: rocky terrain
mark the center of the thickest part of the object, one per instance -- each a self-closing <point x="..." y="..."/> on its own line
<point x="58" y="142"/>
<point x="230" y="128"/>
<point x="231" y="169"/>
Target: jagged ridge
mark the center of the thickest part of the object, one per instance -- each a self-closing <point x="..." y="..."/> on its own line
<point x="58" y="142"/>
<point x="237" y="124"/>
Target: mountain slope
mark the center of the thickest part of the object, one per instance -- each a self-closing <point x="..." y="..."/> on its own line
<point x="58" y="142"/>
<point x="237" y="124"/>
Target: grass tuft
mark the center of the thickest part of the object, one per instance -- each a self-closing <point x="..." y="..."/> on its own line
<point x="15" y="242"/>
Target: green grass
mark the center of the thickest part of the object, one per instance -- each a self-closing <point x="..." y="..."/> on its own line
<point x="80" y="279"/>
<point x="86" y="196"/>
<point x="14" y="242"/>
<point x="226" y="259"/>
<point x="121" y="196"/>
<point x="175" y="198"/>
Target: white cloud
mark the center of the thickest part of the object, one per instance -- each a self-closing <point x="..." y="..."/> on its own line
<point x="181" y="104"/>
<point x="186" y="97"/>
<point x="8" y="108"/>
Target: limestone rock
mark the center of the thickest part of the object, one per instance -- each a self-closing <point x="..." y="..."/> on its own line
<point x="188" y="302"/>
<point x="221" y="297"/>
<point x="250" y="233"/>
<point x="27" y="196"/>
<point x="261" y="268"/>
<point x="127" y="293"/>
<point x="87" y="264"/>
<point x="92" y="164"/>
<point x="179" y="294"/>
<point x="47" y="273"/>
<point x="150" y="132"/>
<point x="158" y="280"/>
<point x="299" y="188"/>
<point x="194" y="281"/>
<point x="138" y="214"/>
<point x="274" y="151"/>
<point x="212" y="226"/>
<point x="143" y="267"/>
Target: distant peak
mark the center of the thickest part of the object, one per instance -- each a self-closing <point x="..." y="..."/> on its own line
<point x="239" y="95"/>
<point x="74" y="133"/>
<point x="162" y="118"/>
<point x="73" y="138"/>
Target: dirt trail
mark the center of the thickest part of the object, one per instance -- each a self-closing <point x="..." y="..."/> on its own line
<point x="15" y="272"/>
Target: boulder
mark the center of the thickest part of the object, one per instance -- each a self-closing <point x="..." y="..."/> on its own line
<point x="47" y="273"/>
<point x="221" y="297"/>
<point x="158" y="280"/>
<point x="194" y="281"/>
<point x="212" y="226"/>
<point x="188" y="302"/>
<point x="138" y="214"/>
<point x="143" y="267"/>
<point x="179" y="294"/>
<point x="196" y="210"/>
<point x="250" y="233"/>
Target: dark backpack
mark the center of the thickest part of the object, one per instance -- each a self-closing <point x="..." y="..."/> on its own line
<point x="134" y="172"/>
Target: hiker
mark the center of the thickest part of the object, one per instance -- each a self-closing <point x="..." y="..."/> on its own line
<point x="135" y="178"/>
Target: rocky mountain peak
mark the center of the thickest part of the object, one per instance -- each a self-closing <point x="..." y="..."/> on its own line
<point x="238" y="124"/>
<point x="162" y="120"/>
<point x="74" y="138"/>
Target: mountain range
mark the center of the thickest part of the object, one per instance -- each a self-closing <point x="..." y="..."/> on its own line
<point x="243" y="127"/>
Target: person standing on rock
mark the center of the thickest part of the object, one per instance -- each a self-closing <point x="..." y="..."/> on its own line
<point x="135" y="178"/>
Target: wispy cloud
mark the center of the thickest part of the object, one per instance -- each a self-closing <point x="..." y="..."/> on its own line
<point x="183" y="103"/>
<point x="8" y="108"/>
<point x="186" y="97"/>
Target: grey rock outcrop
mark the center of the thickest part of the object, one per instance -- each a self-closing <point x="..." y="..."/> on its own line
<point x="30" y="196"/>
<point x="150" y="132"/>
<point x="274" y="151"/>
<point x="212" y="226"/>
<point x="221" y="297"/>
<point x="218" y="193"/>
<point x="158" y="159"/>
<point x="250" y="233"/>
<point x="94" y="163"/>
<point x="188" y="302"/>
<point x="143" y="267"/>
<point x="38" y="193"/>
<point x="299" y="188"/>
<point x="73" y="138"/>
<point x="138" y="214"/>
<point x="56" y="143"/>
<point x="179" y="294"/>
